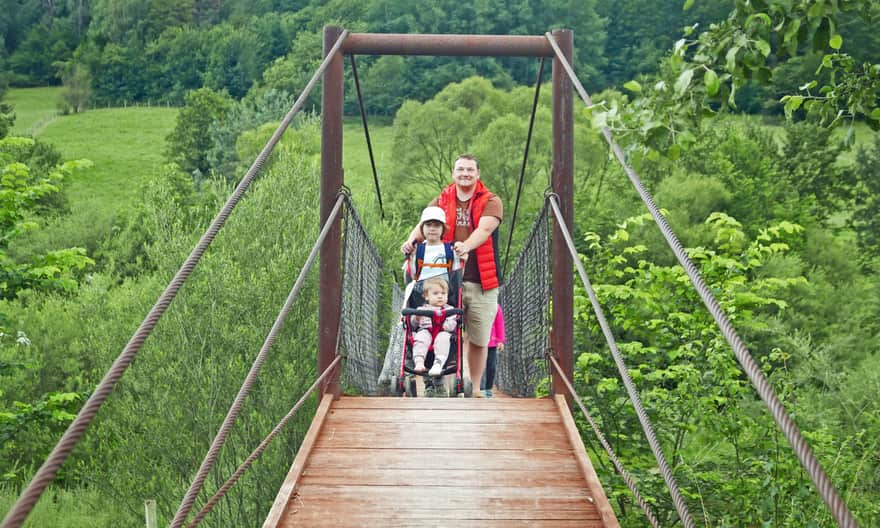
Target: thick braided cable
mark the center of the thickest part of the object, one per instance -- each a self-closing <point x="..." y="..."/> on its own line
<point x="260" y="448"/>
<point x="668" y="477"/>
<point x="624" y="474"/>
<point x="46" y="474"/>
<point x="235" y="408"/>
<point x="820" y="479"/>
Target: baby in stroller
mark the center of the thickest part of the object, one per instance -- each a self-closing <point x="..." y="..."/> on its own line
<point x="428" y="333"/>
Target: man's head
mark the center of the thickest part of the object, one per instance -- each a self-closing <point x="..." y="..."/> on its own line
<point x="465" y="172"/>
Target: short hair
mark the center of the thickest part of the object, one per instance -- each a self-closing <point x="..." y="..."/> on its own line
<point x="435" y="282"/>
<point x="467" y="156"/>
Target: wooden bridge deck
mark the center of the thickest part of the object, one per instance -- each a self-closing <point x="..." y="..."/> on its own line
<point x="442" y="461"/>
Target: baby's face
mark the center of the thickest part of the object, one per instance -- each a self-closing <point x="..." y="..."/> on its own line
<point x="436" y="296"/>
<point x="432" y="230"/>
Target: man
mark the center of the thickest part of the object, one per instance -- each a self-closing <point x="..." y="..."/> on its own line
<point x="475" y="214"/>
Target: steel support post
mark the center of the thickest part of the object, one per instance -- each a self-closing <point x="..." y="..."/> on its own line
<point x="331" y="182"/>
<point x="563" y="185"/>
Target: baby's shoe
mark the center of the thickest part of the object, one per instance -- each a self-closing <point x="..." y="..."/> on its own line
<point x="420" y="365"/>
<point x="436" y="370"/>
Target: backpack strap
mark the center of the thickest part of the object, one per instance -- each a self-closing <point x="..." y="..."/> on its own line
<point x="420" y="260"/>
<point x="450" y="255"/>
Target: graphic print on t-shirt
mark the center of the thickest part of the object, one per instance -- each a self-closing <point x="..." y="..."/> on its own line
<point x="461" y="216"/>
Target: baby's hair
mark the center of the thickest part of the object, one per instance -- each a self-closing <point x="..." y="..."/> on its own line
<point x="435" y="282"/>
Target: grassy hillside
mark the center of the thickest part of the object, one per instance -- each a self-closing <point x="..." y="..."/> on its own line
<point x="34" y="107"/>
<point x="126" y="147"/>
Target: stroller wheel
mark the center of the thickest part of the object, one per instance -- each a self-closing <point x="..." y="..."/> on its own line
<point x="397" y="386"/>
<point x="411" y="387"/>
<point x="468" y="388"/>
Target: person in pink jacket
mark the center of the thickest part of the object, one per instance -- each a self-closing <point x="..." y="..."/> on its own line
<point x="496" y="344"/>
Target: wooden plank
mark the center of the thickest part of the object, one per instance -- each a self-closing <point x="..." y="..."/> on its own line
<point x="496" y="404"/>
<point x="417" y="475"/>
<point x="470" y="416"/>
<point x="443" y="436"/>
<point x="434" y="461"/>
<point x="435" y="519"/>
<point x="580" y="453"/>
<point x="359" y="514"/>
<point x="569" y="498"/>
<point x="497" y="459"/>
<point x="286" y="491"/>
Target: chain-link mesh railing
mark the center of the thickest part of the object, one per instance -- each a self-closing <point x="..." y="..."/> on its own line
<point x="360" y="321"/>
<point x="525" y="299"/>
<point x="395" y="343"/>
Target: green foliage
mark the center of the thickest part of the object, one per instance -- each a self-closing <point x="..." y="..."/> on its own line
<point x="190" y="141"/>
<point x="7" y="116"/>
<point x="255" y="110"/>
<point x="77" y="87"/>
<point x="866" y="216"/>
<point x="724" y="449"/>
<point x="20" y="191"/>
<point x="27" y="433"/>
<point x="703" y="74"/>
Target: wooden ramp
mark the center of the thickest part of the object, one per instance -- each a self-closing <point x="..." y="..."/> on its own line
<point x="441" y="462"/>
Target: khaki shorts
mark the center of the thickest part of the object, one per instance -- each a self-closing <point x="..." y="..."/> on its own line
<point x="480" y="308"/>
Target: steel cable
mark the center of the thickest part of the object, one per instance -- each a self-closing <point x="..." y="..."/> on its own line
<point x="820" y="479"/>
<point x="46" y="474"/>
<point x="235" y="408"/>
<point x="522" y="172"/>
<point x="668" y="477"/>
<point x="357" y="86"/>
<point x="260" y="448"/>
<point x="627" y="479"/>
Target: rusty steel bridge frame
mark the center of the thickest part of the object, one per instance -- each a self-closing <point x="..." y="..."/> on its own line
<point x="332" y="177"/>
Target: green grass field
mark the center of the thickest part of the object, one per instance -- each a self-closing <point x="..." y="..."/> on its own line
<point x="34" y="107"/>
<point x="125" y="146"/>
<point x="63" y="509"/>
<point x="356" y="159"/>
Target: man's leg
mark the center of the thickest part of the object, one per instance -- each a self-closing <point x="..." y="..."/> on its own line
<point x="476" y="364"/>
<point x="480" y="308"/>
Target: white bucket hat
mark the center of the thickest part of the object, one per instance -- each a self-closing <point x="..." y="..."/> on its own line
<point x="433" y="213"/>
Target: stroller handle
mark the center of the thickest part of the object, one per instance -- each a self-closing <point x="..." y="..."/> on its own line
<point x="406" y="312"/>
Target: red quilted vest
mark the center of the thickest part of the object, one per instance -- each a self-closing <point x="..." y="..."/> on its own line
<point x="485" y="253"/>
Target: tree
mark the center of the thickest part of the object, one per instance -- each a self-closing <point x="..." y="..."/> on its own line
<point x="7" y="115"/>
<point x="77" y="90"/>
<point x="20" y="194"/>
<point x="704" y="72"/>
<point x="190" y="141"/>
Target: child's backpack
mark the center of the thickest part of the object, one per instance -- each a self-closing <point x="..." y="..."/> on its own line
<point x="420" y="260"/>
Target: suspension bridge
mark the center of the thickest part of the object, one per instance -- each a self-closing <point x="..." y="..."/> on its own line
<point x="368" y="460"/>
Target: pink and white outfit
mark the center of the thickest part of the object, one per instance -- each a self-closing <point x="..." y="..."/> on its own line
<point x="424" y="335"/>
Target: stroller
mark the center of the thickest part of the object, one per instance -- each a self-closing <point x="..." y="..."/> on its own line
<point x="405" y="381"/>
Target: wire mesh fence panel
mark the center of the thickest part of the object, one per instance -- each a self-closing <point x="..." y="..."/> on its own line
<point x="525" y="298"/>
<point x="359" y="314"/>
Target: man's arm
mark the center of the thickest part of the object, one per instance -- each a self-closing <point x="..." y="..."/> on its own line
<point x="487" y="225"/>
<point x="415" y="236"/>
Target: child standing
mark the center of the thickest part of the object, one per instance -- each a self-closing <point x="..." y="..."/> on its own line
<point x="436" y="293"/>
<point x="433" y="257"/>
<point x="496" y="344"/>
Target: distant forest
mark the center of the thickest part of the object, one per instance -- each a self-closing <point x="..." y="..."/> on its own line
<point x="157" y="50"/>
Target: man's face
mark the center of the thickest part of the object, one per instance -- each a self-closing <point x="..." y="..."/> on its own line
<point x="465" y="173"/>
